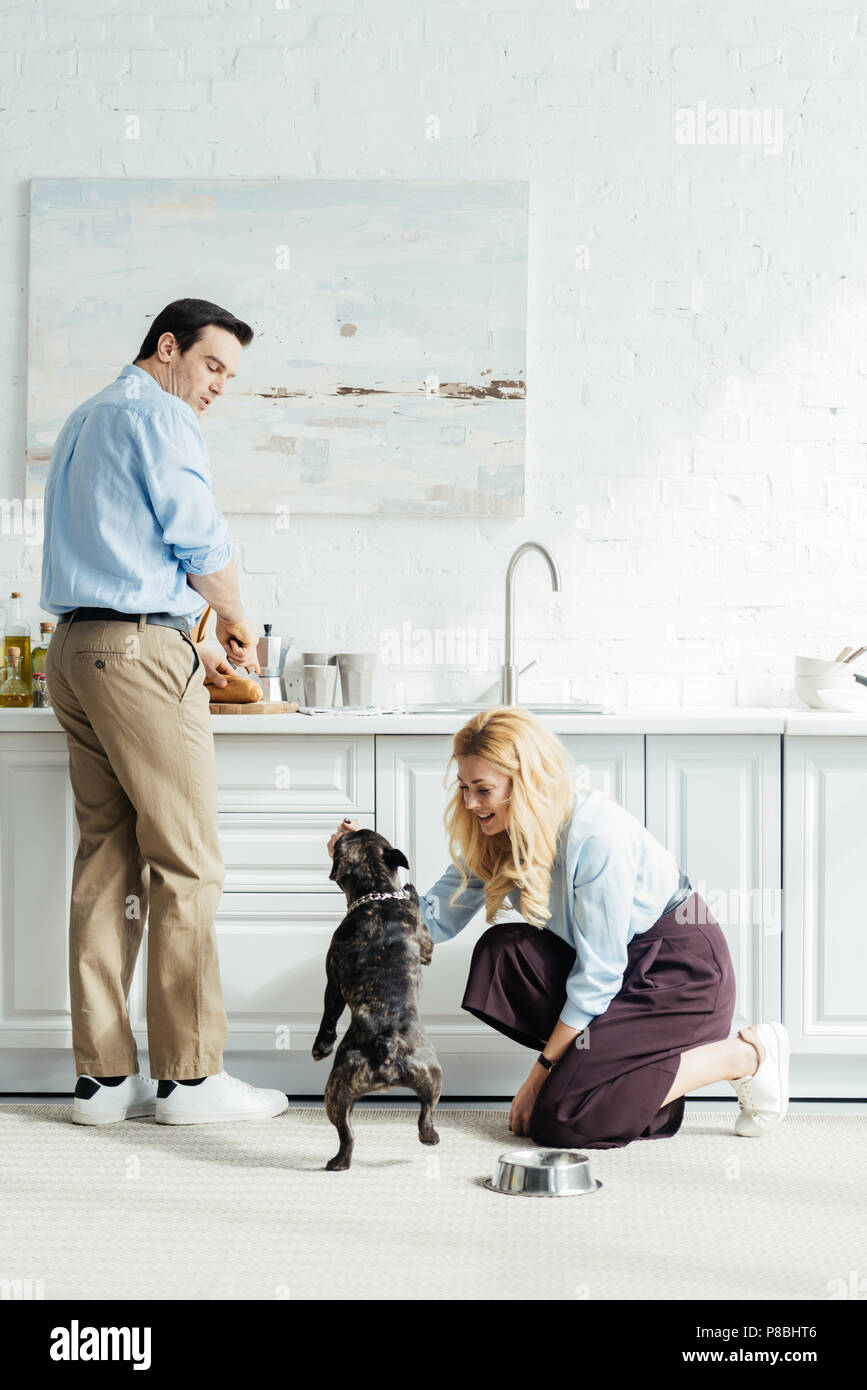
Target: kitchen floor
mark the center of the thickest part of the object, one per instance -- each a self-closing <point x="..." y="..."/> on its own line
<point x="247" y="1211"/>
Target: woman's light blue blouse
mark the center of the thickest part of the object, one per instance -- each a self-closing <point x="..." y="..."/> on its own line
<point x="610" y="880"/>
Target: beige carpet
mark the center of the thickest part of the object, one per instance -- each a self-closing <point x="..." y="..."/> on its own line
<point x="245" y="1211"/>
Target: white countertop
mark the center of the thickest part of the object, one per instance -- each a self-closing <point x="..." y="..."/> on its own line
<point x="705" y="719"/>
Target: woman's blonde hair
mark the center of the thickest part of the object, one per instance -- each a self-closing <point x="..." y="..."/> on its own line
<point x="542" y="795"/>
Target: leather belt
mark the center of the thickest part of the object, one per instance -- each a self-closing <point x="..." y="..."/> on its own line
<point x="111" y="615"/>
<point x="680" y="894"/>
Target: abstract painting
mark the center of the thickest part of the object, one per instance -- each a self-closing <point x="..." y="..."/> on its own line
<point x="388" y="369"/>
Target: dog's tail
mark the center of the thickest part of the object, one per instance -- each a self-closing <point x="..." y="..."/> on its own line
<point x="385" y="1050"/>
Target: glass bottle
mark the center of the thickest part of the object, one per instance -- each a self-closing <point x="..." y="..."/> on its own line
<point x="37" y="656"/>
<point x="18" y="635"/>
<point x="41" y="697"/>
<point x="14" y="694"/>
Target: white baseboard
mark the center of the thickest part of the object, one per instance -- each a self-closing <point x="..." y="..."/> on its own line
<point x="474" y="1072"/>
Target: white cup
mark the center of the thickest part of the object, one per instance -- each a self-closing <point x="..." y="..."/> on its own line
<point x="320" y="684"/>
<point x="357" y="672"/>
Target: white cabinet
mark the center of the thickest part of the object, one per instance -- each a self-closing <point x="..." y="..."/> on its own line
<point x="714" y="801"/>
<point x="825" y="921"/>
<point x="613" y="764"/>
<point x="38" y="840"/>
<point x="411" y="801"/>
<point x="280" y="799"/>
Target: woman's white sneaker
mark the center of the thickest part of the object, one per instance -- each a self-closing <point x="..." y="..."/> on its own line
<point x="96" y="1104"/>
<point x="763" y="1098"/>
<point x="220" y="1097"/>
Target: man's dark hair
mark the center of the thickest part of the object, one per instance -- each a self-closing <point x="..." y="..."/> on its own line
<point x="187" y="318"/>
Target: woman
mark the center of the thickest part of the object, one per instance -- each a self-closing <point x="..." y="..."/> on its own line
<point x="619" y="977"/>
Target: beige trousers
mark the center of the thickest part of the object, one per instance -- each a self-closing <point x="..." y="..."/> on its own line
<point x="132" y="700"/>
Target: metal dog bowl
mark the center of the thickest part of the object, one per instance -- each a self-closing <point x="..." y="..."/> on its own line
<point x="543" y="1173"/>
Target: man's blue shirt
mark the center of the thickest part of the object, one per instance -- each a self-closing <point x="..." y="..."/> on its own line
<point x="128" y="508"/>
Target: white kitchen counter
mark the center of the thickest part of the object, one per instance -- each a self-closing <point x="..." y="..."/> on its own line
<point x="651" y="719"/>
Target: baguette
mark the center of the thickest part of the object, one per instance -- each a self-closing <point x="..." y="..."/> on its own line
<point x="239" y="690"/>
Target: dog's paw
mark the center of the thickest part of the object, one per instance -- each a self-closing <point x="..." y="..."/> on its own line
<point x="428" y="1136"/>
<point x="337" y="1164"/>
<point x="321" y="1048"/>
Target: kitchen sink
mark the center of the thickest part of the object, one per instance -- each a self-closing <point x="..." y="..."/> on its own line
<point x="505" y="690"/>
<point x="573" y="707"/>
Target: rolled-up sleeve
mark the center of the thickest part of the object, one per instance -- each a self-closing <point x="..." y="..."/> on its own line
<point x="602" y="902"/>
<point x="442" y="921"/>
<point x="177" y="478"/>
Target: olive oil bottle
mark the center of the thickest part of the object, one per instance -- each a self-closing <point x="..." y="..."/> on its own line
<point x="14" y="694"/>
<point x="37" y="656"/>
<point x="18" y="635"/>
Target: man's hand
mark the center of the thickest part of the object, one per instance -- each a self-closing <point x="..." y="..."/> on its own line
<point x="239" y="642"/>
<point x="217" y="668"/>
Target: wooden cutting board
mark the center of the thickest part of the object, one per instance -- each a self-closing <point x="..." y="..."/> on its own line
<point x="258" y="707"/>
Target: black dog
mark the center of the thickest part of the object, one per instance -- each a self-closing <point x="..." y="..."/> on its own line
<point x="374" y="965"/>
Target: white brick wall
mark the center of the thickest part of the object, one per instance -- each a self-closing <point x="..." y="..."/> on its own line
<point x="697" y="419"/>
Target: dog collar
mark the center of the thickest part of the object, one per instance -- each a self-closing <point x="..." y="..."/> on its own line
<point x="371" y="897"/>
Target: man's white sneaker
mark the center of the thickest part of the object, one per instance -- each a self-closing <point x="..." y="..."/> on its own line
<point x="763" y="1098"/>
<point x="220" y="1097"/>
<point x="95" y="1104"/>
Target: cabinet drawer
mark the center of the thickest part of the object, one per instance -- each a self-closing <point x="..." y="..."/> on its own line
<point x="279" y="853"/>
<point x="272" y="956"/>
<point x="264" y="772"/>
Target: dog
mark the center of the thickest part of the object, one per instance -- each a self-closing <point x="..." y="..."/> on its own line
<point x="374" y="965"/>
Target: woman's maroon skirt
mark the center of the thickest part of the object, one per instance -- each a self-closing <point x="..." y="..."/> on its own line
<point x="678" y="992"/>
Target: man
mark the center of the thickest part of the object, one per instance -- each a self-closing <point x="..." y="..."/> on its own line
<point x="132" y="532"/>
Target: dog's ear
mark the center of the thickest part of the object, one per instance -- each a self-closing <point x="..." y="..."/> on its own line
<point x="392" y="857"/>
<point x="334" y="859"/>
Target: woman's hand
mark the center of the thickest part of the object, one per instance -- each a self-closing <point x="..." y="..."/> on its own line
<point x="345" y="825"/>
<point x="522" y="1105"/>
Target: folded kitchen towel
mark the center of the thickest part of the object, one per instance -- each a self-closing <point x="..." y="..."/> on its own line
<point x="352" y="709"/>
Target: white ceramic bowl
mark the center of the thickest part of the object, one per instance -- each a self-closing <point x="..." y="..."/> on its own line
<point x="852" y="701"/>
<point x="814" y="666"/>
<point x="810" y="688"/>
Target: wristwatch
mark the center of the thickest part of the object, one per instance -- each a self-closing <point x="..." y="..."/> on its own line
<point x="545" y="1062"/>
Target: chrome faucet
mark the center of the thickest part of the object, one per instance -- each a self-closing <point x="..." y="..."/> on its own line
<point x="509" y="672"/>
